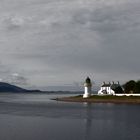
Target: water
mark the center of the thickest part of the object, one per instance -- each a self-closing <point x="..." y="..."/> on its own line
<point x="36" y="117"/>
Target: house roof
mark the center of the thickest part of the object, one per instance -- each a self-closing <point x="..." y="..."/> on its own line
<point x="113" y="86"/>
<point x="106" y="85"/>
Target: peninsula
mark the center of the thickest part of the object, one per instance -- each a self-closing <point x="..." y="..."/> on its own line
<point x="102" y="99"/>
<point x="107" y="94"/>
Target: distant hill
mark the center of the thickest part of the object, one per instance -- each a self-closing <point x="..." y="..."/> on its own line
<point x="6" y="87"/>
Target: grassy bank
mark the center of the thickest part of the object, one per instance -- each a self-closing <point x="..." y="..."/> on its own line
<point x="102" y="99"/>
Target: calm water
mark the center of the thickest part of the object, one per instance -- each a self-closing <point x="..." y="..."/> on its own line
<point x="36" y="117"/>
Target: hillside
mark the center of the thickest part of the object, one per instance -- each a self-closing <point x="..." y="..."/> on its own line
<point x="6" y="87"/>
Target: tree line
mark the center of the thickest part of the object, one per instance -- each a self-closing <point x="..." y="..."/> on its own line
<point x="132" y="86"/>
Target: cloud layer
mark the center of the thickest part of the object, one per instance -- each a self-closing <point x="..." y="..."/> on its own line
<point x="59" y="42"/>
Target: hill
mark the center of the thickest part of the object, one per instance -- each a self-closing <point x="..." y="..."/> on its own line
<point x="6" y="87"/>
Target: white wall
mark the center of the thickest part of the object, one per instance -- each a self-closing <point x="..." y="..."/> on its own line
<point x="87" y="92"/>
<point x="127" y="94"/>
<point x="108" y="89"/>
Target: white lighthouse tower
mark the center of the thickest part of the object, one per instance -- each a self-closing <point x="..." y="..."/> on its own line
<point x="87" y="86"/>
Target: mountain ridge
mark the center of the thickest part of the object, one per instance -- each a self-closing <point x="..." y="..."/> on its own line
<point x="7" y="87"/>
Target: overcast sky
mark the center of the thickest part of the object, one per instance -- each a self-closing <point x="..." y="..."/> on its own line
<point x="60" y="42"/>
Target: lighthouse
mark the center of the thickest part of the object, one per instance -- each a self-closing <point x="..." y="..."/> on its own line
<point x="87" y="86"/>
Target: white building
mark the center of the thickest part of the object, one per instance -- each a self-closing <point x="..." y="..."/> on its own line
<point x="87" y="86"/>
<point x="106" y="90"/>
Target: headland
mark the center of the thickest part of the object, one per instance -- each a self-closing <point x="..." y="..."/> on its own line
<point x="102" y="99"/>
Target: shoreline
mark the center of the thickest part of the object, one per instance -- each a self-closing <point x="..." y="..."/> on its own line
<point x="101" y="99"/>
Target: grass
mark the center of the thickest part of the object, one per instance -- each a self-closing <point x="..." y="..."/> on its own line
<point x="108" y="97"/>
<point x="102" y="99"/>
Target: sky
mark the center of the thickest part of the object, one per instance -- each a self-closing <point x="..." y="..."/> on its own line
<point x="46" y="43"/>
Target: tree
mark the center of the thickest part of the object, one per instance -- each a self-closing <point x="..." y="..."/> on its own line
<point x="118" y="89"/>
<point x="137" y="87"/>
<point x="130" y="86"/>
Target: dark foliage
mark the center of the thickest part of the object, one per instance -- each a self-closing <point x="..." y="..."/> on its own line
<point x="132" y="86"/>
<point x="118" y="89"/>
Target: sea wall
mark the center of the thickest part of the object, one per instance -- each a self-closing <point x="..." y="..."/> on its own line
<point x="138" y="94"/>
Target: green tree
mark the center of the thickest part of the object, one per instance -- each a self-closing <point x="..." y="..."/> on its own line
<point x="118" y="89"/>
<point x="130" y="86"/>
<point x="137" y="87"/>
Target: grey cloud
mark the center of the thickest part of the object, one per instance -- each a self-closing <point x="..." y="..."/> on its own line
<point x="18" y="80"/>
<point x="4" y="70"/>
<point x="12" y="23"/>
<point x="56" y="42"/>
<point x="6" y="75"/>
<point x="109" y="18"/>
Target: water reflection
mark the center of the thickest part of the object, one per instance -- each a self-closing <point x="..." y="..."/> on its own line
<point x="88" y="121"/>
<point x="36" y="117"/>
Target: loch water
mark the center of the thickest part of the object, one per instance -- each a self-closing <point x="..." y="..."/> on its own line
<point x="37" y="117"/>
